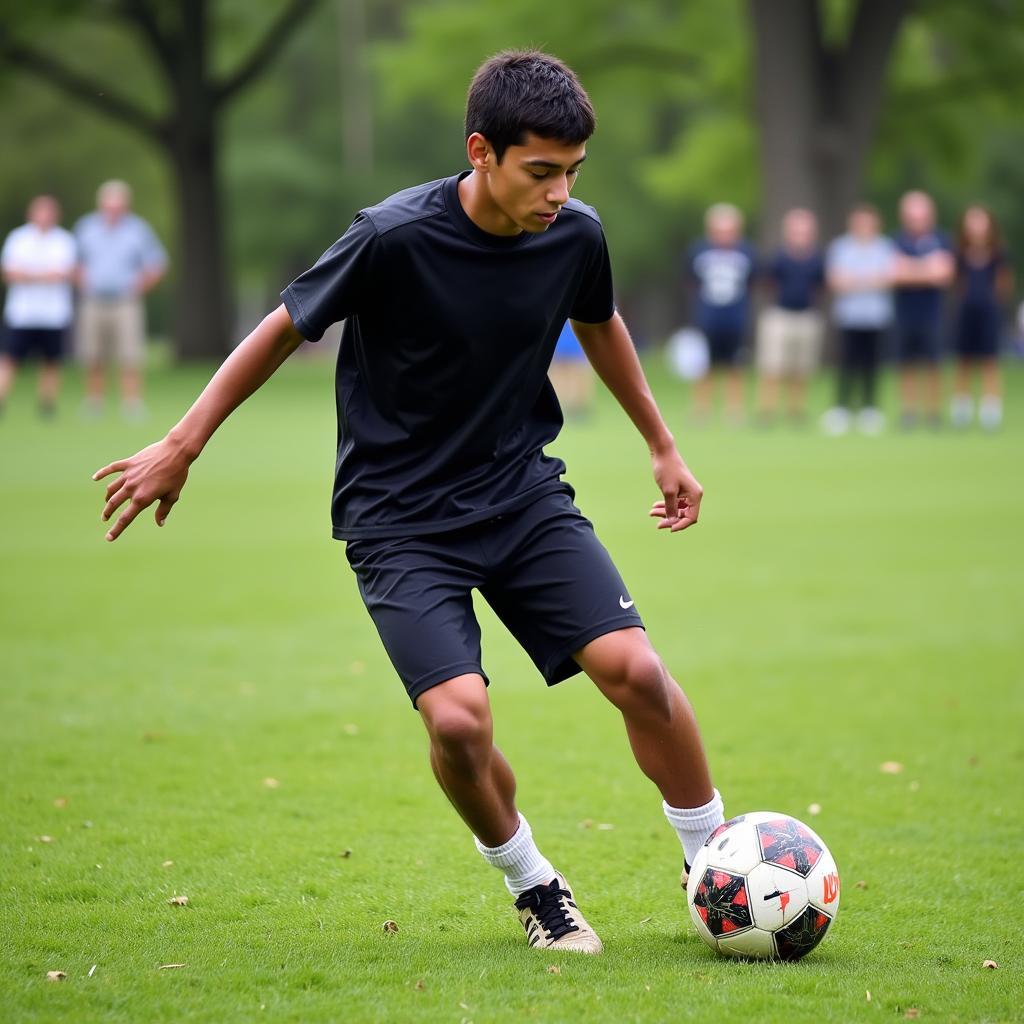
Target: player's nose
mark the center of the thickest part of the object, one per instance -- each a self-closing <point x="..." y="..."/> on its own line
<point x="558" y="193"/>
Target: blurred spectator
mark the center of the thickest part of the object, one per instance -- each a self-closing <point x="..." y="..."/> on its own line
<point x="790" y="330"/>
<point x="722" y="265"/>
<point x="120" y="260"/>
<point x="38" y="260"/>
<point x="984" y="284"/>
<point x="571" y="375"/>
<point x="922" y="270"/>
<point x="859" y="267"/>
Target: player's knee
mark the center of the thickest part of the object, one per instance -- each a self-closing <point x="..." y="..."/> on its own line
<point x="640" y="682"/>
<point x="460" y="731"/>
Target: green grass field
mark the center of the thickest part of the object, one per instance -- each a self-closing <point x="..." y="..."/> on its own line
<point x="206" y="710"/>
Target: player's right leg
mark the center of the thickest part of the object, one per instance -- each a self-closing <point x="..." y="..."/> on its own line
<point x="418" y="591"/>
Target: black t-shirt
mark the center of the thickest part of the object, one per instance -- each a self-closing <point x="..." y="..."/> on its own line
<point x="444" y="405"/>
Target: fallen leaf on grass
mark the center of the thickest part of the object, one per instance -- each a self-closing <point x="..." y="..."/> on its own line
<point x="61" y="802"/>
<point x="890" y="767"/>
<point x="867" y="995"/>
<point x="912" y="1014"/>
<point x="605" y="827"/>
<point x="644" y="920"/>
<point x="271" y="783"/>
<point x="989" y="964"/>
<point x="167" y="864"/>
<point x="587" y="823"/>
<point x="390" y="927"/>
<point x="178" y="901"/>
<point x="861" y="884"/>
<point x="45" y="839"/>
<point x="345" y="854"/>
<point x="55" y="975"/>
<point x="554" y="969"/>
<point x="814" y="810"/>
<point x="170" y="967"/>
<point x="419" y="986"/>
<point x="92" y="970"/>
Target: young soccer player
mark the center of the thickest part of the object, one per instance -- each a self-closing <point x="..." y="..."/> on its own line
<point x="453" y="294"/>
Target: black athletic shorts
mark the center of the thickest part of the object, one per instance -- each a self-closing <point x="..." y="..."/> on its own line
<point x="919" y="342"/>
<point x="23" y="341"/>
<point x="541" y="568"/>
<point x="724" y="346"/>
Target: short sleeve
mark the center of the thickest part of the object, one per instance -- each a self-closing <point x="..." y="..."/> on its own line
<point x="154" y="256"/>
<point x="332" y="289"/>
<point x="595" y="301"/>
<point x="7" y="260"/>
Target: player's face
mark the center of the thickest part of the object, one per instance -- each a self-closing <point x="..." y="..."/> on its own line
<point x="533" y="181"/>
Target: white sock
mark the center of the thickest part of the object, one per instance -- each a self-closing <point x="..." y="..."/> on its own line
<point x="519" y="858"/>
<point x="694" y="824"/>
<point x="990" y="412"/>
<point x="961" y="410"/>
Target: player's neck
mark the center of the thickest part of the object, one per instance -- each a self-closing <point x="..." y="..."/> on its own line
<point x="481" y="208"/>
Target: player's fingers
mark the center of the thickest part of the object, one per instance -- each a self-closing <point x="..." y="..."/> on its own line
<point x="163" y="510"/>
<point x="116" y="500"/>
<point x="124" y="520"/>
<point x="671" y="505"/>
<point x="114" y="467"/>
<point x="114" y="486"/>
<point x="684" y="522"/>
<point x="657" y="510"/>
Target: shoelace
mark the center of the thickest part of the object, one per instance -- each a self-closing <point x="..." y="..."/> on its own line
<point x="546" y="902"/>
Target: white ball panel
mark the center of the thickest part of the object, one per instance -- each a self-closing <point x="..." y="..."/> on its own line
<point x="777" y="896"/>
<point x="736" y="849"/>
<point x="753" y="942"/>
<point x="823" y="886"/>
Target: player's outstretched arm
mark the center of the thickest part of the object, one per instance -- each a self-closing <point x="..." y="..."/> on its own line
<point x="611" y="352"/>
<point x="158" y="473"/>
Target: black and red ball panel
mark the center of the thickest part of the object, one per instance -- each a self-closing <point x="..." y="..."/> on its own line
<point x="789" y="844"/>
<point x="723" y="902"/>
<point x="802" y="935"/>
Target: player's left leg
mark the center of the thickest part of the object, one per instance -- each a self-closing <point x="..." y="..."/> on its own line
<point x="662" y="730"/>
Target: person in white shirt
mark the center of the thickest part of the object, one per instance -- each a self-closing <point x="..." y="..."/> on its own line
<point x="38" y="261"/>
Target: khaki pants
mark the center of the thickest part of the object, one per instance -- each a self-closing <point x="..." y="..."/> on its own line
<point x="111" y="327"/>
<point x="789" y="342"/>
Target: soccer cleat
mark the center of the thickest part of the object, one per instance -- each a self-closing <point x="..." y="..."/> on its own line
<point x="552" y="920"/>
<point x="684" y="878"/>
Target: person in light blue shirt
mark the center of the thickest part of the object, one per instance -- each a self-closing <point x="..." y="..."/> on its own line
<point x="859" y="268"/>
<point x="120" y="260"/>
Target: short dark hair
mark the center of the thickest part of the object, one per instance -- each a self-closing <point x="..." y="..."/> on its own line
<point x="520" y="91"/>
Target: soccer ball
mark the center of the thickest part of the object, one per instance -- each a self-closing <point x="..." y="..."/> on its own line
<point x="763" y="885"/>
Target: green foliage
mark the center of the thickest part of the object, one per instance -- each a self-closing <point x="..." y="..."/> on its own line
<point x="671" y="83"/>
<point x="839" y="606"/>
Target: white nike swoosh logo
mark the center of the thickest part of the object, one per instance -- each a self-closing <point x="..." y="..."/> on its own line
<point x="623" y="603"/>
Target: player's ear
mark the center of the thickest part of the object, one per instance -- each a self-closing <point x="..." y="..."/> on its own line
<point x="480" y="153"/>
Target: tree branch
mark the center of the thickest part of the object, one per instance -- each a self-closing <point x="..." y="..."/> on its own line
<point x="142" y="16"/>
<point x="265" y="50"/>
<point x="81" y="87"/>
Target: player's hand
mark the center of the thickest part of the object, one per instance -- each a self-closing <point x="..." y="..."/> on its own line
<point x="157" y="473"/>
<point x="680" y="504"/>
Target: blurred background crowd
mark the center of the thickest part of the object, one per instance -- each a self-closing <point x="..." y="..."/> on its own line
<point x="251" y="132"/>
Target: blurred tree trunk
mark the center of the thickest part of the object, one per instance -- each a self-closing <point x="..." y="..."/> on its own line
<point x="818" y="104"/>
<point x="356" y="99"/>
<point x="177" y="39"/>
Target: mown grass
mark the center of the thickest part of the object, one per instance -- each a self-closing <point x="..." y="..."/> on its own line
<point x="844" y="602"/>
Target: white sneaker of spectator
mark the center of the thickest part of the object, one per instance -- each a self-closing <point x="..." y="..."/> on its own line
<point x="836" y="421"/>
<point x="871" y="421"/>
